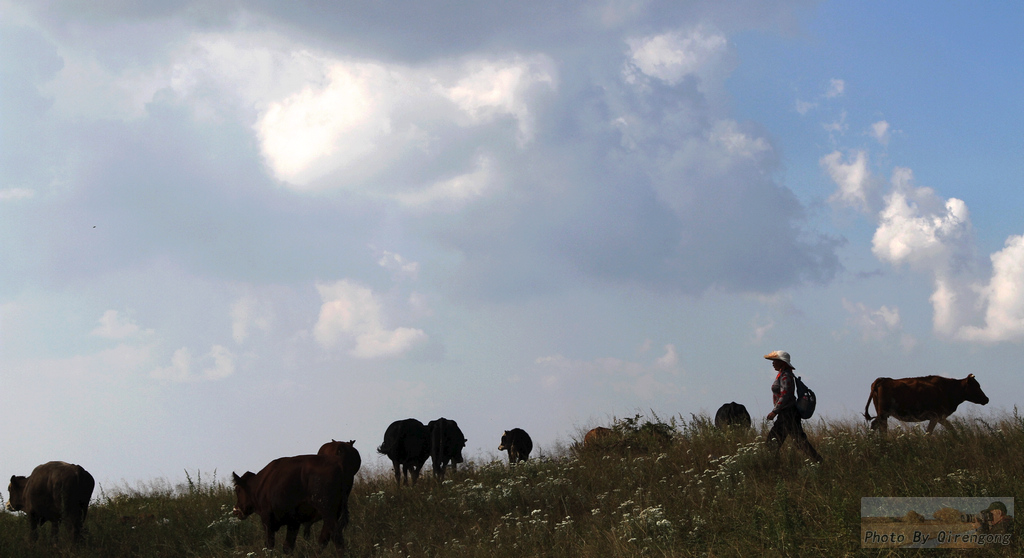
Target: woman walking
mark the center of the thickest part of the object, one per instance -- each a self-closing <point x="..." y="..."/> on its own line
<point x="787" y="418"/>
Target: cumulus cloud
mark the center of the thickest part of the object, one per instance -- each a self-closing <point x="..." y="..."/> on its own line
<point x="352" y="315"/>
<point x="1003" y="297"/>
<point x="933" y="235"/>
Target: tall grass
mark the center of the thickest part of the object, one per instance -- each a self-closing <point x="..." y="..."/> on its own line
<point x="681" y="488"/>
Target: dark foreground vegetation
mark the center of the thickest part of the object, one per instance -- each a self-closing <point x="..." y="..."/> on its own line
<point x="676" y="488"/>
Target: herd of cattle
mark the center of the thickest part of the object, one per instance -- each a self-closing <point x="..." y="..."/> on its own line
<point x="298" y="491"/>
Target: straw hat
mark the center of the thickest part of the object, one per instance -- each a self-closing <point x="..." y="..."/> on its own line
<point x="780" y="355"/>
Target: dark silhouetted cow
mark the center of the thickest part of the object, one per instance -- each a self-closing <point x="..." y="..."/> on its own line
<point x="407" y="445"/>
<point x="518" y="444"/>
<point x="732" y="414"/>
<point x="596" y="436"/>
<point x="291" y="491"/>
<point x="54" y="492"/>
<point x="929" y="398"/>
<point x="350" y="463"/>
<point x="446" y="443"/>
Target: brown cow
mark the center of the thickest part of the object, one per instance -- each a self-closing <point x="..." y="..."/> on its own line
<point x="291" y="491"/>
<point x="928" y="398"/>
<point x="596" y="436"/>
<point x="350" y="463"/>
<point x="55" y="491"/>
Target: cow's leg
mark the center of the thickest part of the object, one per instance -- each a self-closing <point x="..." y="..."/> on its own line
<point x="292" y="533"/>
<point x="415" y="474"/>
<point x="880" y="423"/>
<point x="931" y="426"/>
<point x="271" y="528"/>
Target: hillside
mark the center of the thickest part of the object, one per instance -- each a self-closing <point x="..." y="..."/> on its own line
<point x="700" y="492"/>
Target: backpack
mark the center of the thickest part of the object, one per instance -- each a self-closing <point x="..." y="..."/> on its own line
<point x="805" y="400"/>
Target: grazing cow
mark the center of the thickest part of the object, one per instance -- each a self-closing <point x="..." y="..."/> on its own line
<point x="407" y="445"/>
<point x="54" y="492"/>
<point x="446" y="443"/>
<point x="732" y="414"/>
<point x="518" y="444"/>
<point x="930" y="398"/>
<point x="596" y="436"/>
<point x="291" y="491"/>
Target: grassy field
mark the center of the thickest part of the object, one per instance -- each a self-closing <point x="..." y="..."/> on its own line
<point x="675" y="488"/>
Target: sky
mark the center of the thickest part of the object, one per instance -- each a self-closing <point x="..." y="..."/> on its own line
<point x="231" y="231"/>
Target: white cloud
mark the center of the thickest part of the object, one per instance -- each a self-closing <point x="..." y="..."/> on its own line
<point x="856" y="186"/>
<point x="16" y="194"/>
<point x="218" y="364"/>
<point x="935" y="236"/>
<point x="248" y="313"/>
<point x="837" y="127"/>
<point x="727" y="134"/>
<point x="918" y="227"/>
<point x="804" y="107"/>
<point x="351" y="313"/>
<point x="874" y="324"/>
<point x="880" y="131"/>
<point x="1003" y="297"/>
<point x="490" y="89"/>
<point x="398" y="265"/>
<point x="324" y="128"/>
<point x="670" y="359"/>
<point x="836" y="88"/>
<point x="670" y="57"/>
<point x="115" y="326"/>
<point x="453" y="192"/>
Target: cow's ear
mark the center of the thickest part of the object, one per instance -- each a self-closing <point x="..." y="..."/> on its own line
<point x="970" y="375"/>
<point x="234" y="478"/>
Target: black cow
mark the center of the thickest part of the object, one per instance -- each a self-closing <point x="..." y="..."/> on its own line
<point x="446" y="443"/>
<point x="54" y="492"/>
<point x="518" y="444"/>
<point x="407" y="445"/>
<point x="732" y="414"/>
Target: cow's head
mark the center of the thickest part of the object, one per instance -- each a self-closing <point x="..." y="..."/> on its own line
<point x="17" y="491"/>
<point x="972" y="391"/>
<point x="506" y="442"/>
<point x="245" y="505"/>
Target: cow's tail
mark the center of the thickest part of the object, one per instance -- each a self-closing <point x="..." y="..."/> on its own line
<point x="867" y="405"/>
<point x="383" y="449"/>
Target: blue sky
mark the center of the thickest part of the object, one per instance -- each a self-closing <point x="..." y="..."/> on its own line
<point x="233" y="231"/>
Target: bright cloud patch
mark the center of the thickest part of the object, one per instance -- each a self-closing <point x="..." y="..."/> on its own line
<point x="319" y="130"/>
<point x="671" y="57"/>
<point x="853" y="178"/>
<point x="352" y="313"/>
<point x="218" y="364"/>
<point x="115" y="326"/>
<point x="1003" y="296"/>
